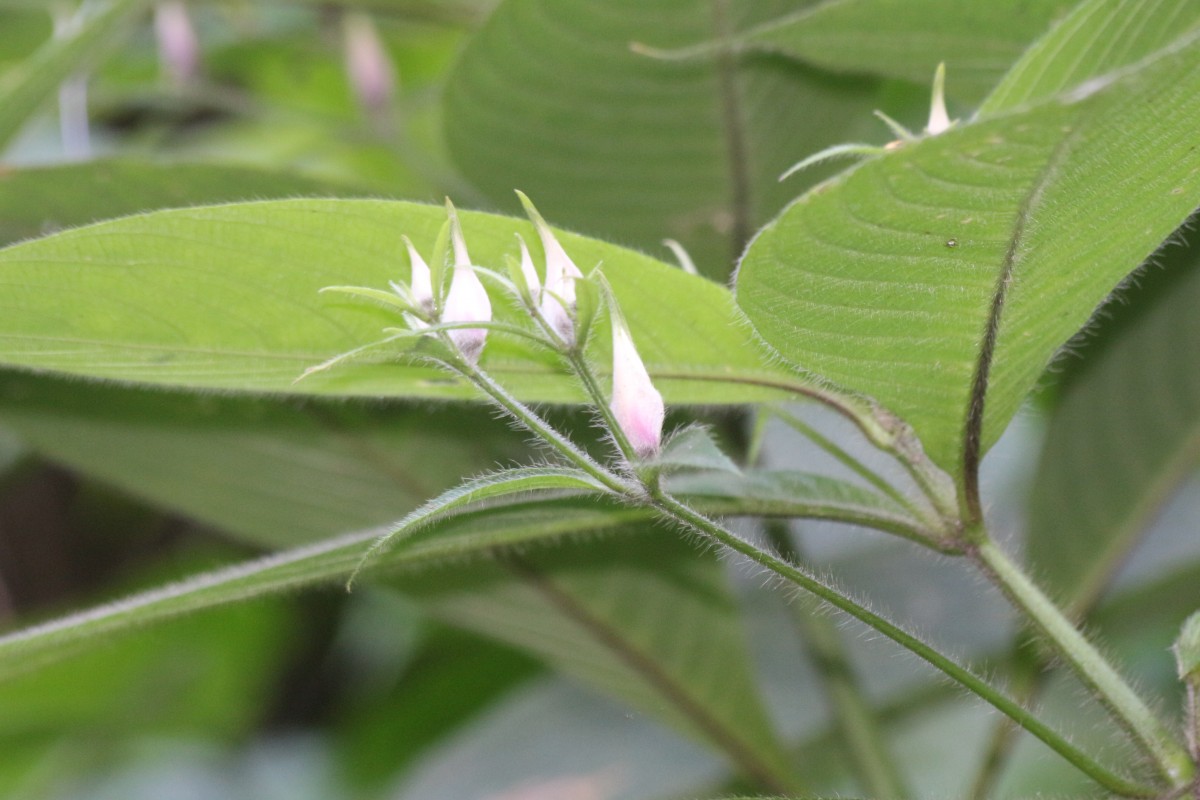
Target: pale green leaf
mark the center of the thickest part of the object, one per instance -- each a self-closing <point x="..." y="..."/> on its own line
<point x="228" y="297"/>
<point x="907" y="39"/>
<point x="693" y="448"/>
<point x="1124" y="436"/>
<point x="1098" y="36"/>
<point x="24" y="88"/>
<point x="584" y="610"/>
<point x="947" y="273"/>
<point x="550" y="97"/>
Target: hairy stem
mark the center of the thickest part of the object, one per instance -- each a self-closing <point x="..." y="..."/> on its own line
<point x="684" y="516"/>
<point x="1127" y="708"/>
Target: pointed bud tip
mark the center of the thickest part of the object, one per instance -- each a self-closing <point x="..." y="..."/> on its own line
<point x="939" y="119"/>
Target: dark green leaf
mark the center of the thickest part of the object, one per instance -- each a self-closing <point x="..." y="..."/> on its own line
<point x="907" y="39"/>
<point x="550" y="98"/>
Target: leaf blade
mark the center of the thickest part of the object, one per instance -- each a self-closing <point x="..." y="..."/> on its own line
<point x="905" y="256"/>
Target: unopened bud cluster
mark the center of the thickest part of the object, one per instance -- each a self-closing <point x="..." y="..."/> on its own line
<point x="551" y="301"/>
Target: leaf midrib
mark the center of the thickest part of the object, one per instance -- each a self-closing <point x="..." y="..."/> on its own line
<point x="977" y="399"/>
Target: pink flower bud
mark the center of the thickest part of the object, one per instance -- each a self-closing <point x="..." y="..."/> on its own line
<point x="368" y="66"/>
<point x="178" y="47"/>
<point x="467" y="300"/>
<point x="636" y="404"/>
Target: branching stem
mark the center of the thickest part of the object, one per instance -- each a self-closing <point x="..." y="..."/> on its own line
<point x="1127" y="708"/>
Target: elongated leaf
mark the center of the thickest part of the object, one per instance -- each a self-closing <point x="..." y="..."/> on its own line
<point x="1098" y="36"/>
<point x="323" y="563"/>
<point x="694" y="448"/>
<point x="470" y="533"/>
<point x="227" y="297"/>
<point x="584" y="610"/>
<point x="941" y="278"/>
<point x="549" y="97"/>
<point x="35" y="201"/>
<point x="272" y="473"/>
<point x="25" y="88"/>
<point x="1122" y="439"/>
<point x="519" y="480"/>
<point x="789" y="493"/>
<point x="907" y="39"/>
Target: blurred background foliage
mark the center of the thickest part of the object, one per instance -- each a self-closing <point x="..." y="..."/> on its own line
<point x="549" y="673"/>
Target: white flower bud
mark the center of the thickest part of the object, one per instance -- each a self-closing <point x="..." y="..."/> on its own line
<point x="178" y="47"/>
<point x="636" y="404"/>
<point x="558" y="298"/>
<point x="529" y="271"/>
<point x="467" y="300"/>
<point x="420" y="280"/>
<point x="939" y="120"/>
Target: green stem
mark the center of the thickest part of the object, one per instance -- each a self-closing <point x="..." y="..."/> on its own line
<point x="581" y="368"/>
<point x="854" y="717"/>
<point x="1129" y="710"/>
<point x="1028" y="676"/>
<point x="681" y="514"/>
<point x="540" y="428"/>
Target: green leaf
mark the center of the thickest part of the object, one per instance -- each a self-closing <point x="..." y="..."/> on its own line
<point x="941" y="278"/>
<point x="1124" y="436"/>
<point x="35" y="201"/>
<point x="206" y="673"/>
<point x="907" y="39"/>
<point x="550" y="98"/>
<point x="272" y="473"/>
<point x="26" y="87"/>
<point x="694" y="448"/>
<point x="1187" y="649"/>
<point x="227" y="297"/>
<point x="1098" y="36"/>
<point x="644" y="616"/>
<point x="503" y="484"/>
<point x="787" y="493"/>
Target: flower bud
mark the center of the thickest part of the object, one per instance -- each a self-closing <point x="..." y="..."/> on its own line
<point x="528" y="271"/>
<point x="939" y="120"/>
<point x="636" y="404"/>
<point x="467" y="300"/>
<point x="420" y="279"/>
<point x="178" y="47"/>
<point x="558" y="298"/>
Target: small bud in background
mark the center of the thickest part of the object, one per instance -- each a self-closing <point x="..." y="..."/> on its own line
<point x="467" y="300"/>
<point x="558" y="299"/>
<point x="636" y="404"/>
<point x="73" y="121"/>
<point x="420" y="280"/>
<point x="939" y="120"/>
<point x="178" y="45"/>
<point x="369" y="67"/>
